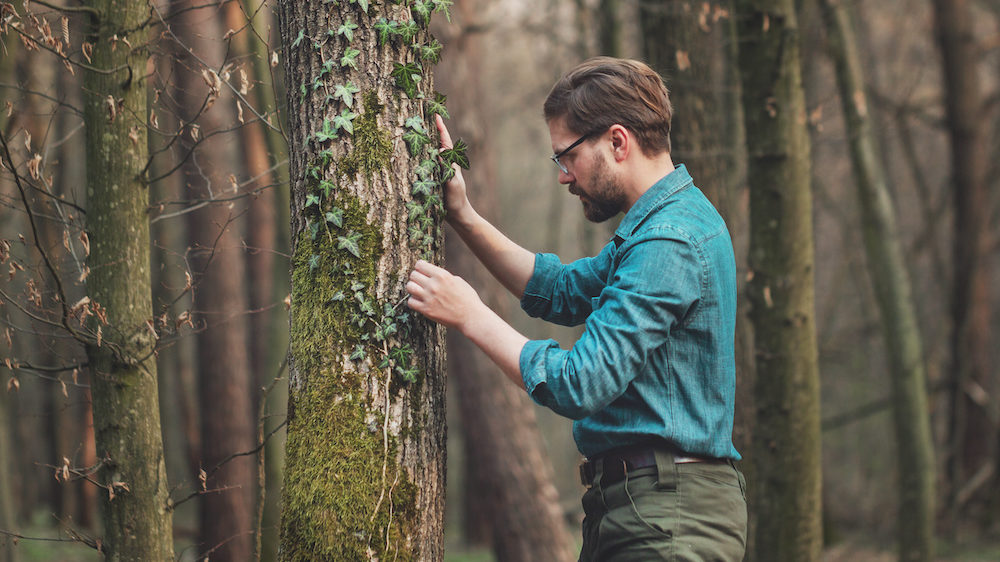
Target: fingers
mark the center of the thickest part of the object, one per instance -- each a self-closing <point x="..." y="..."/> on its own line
<point x="427" y="269"/>
<point x="443" y="131"/>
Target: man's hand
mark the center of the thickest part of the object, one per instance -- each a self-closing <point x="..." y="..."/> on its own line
<point x="441" y="296"/>
<point x="456" y="199"/>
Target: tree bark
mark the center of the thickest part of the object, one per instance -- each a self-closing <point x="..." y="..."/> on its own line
<point x="891" y="283"/>
<point x="364" y="476"/>
<point x="8" y="552"/>
<point x="786" y="490"/>
<point x="137" y="520"/>
<point x="972" y="436"/>
<point x="225" y="377"/>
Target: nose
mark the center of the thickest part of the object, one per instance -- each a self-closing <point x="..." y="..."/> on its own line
<point x="565" y="177"/>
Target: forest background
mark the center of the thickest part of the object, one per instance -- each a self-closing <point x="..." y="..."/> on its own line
<point x="219" y="202"/>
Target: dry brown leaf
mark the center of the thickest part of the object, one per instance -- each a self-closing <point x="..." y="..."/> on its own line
<point x="27" y="140"/>
<point x="288" y="301"/>
<point x="767" y="297"/>
<point x="274" y="59"/>
<point x="88" y="50"/>
<point x="35" y="166"/>
<point x="86" y="242"/>
<point x="153" y="120"/>
<point x="12" y="383"/>
<point x="195" y="132"/>
<point x="109" y="102"/>
<point x="133" y="135"/>
<point x="683" y="60"/>
<point x="63" y="383"/>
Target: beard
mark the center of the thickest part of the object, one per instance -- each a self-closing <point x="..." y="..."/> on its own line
<point x="605" y="198"/>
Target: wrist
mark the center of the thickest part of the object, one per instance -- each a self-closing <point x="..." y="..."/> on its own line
<point x="462" y="218"/>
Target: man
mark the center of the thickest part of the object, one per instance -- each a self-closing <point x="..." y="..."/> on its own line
<point x="651" y="382"/>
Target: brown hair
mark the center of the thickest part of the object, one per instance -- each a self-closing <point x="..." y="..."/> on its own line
<point x="603" y="91"/>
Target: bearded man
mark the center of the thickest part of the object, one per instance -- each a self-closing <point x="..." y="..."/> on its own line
<point x="651" y="382"/>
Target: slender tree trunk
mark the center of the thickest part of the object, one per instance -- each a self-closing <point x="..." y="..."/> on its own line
<point x="514" y="492"/>
<point x="364" y="475"/>
<point x="891" y="283"/>
<point x="786" y="490"/>
<point x="225" y="377"/>
<point x="268" y="335"/>
<point x="693" y="46"/>
<point x="972" y="436"/>
<point x="137" y="521"/>
<point x="8" y="550"/>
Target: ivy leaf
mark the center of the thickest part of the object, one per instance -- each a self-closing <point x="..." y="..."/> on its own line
<point x="423" y="9"/>
<point x="346" y="93"/>
<point x="312" y="200"/>
<point x="415" y="210"/>
<point x="408" y="30"/>
<point x="415" y="140"/>
<point x="349" y="58"/>
<point x="431" y="52"/>
<point x="338" y="296"/>
<point x="313" y="262"/>
<point x="424" y="186"/>
<point x="437" y="105"/>
<point x="456" y="155"/>
<point x="327" y="69"/>
<point x="426" y="169"/>
<point x="385" y="28"/>
<point x="443" y="6"/>
<point x="407" y="77"/>
<point x="299" y="38"/>
<point x="416" y="123"/>
<point x="335" y="217"/>
<point x="350" y="243"/>
<point x="357" y="285"/>
<point x="313" y="229"/>
<point x="359" y="353"/>
<point x="347" y="29"/>
<point x="327" y="186"/>
<point x="409" y="375"/>
<point x="345" y="121"/>
<point x="327" y="134"/>
<point x="364" y="5"/>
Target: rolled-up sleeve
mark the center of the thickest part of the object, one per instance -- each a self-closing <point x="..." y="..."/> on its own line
<point x="656" y="285"/>
<point x="561" y="293"/>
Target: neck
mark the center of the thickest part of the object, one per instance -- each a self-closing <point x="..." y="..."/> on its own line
<point x="646" y="172"/>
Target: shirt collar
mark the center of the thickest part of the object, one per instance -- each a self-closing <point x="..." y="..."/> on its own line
<point x="651" y="200"/>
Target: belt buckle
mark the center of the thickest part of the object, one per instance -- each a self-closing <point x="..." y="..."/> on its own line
<point x="586" y="474"/>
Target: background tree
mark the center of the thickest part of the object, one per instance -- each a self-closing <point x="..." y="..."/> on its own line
<point x="364" y="474"/>
<point x="137" y="523"/>
<point x="890" y="280"/>
<point x="972" y="429"/>
<point x="511" y="503"/>
<point x="786" y="488"/>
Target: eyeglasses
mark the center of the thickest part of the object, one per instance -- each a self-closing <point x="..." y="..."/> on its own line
<point x="556" y="157"/>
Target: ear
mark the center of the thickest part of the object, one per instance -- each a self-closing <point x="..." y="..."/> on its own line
<point x="622" y="142"/>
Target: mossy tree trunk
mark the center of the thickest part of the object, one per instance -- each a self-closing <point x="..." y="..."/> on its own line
<point x="894" y="296"/>
<point x="786" y="488"/>
<point x="972" y="433"/>
<point x="137" y="520"/>
<point x="364" y="473"/>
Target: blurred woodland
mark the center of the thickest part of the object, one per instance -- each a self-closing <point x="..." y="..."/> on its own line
<point x="170" y="166"/>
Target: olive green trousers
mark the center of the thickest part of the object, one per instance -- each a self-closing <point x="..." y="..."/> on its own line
<point x="693" y="512"/>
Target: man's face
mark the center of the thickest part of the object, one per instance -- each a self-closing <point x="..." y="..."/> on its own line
<point x="589" y="175"/>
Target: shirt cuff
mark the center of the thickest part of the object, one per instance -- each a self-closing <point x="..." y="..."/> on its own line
<point x="538" y="292"/>
<point x="533" y="373"/>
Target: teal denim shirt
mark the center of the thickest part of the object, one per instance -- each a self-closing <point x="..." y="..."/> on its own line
<point x="656" y="359"/>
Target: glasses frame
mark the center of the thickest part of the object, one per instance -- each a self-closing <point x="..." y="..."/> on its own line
<point x="555" y="157"/>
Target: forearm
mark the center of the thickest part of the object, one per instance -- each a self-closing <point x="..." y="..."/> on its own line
<point x="498" y="340"/>
<point x="510" y="263"/>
